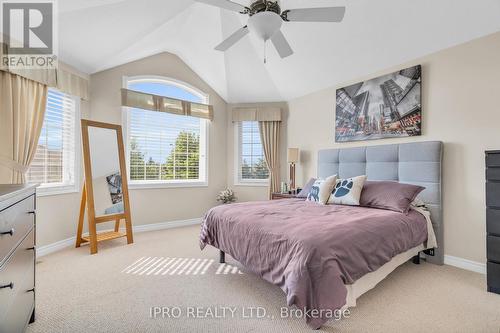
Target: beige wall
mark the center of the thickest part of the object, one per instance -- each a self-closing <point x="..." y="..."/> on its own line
<point x="248" y="192"/>
<point x="461" y="86"/>
<point x="168" y="204"/>
<point x="460" y="89"/>
<point x="58" y="214"/>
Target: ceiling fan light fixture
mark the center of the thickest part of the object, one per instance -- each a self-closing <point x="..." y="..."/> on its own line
<point x="265" y="24"/>
<point x="266" y="18"/>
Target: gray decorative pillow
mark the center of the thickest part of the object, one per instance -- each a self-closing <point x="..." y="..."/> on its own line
<point x="307" y="188"/>
<point x="321" y="190"/>
<point x="389" y="195"/>
<point x="347" y="191"/>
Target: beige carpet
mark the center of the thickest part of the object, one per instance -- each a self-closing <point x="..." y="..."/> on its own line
<point x="107" y="292"/>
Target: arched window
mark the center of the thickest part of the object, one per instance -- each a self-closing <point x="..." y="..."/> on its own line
<point x="165" y="149"/>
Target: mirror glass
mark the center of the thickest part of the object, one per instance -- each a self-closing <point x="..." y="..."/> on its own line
<point x="105" y="166"/>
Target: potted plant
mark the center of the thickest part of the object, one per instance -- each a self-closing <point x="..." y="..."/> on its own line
<point x="226" y="196"/>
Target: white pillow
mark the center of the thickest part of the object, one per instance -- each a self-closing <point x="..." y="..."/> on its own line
<point x="321" y="190"/>
<point x="347" y="191"/>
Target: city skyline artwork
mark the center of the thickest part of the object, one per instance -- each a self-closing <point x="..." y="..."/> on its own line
<point x="388" y="106"/>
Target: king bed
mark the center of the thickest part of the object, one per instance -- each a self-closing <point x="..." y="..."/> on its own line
<point x="326" y="256"/>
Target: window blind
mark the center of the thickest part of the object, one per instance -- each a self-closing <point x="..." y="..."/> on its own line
<point x="165" y="147"/>
<point x="54" y="161"/>
<point x="252" y="163"/>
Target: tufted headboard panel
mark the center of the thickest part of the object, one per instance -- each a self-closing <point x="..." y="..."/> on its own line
<point x="416" y="163"/>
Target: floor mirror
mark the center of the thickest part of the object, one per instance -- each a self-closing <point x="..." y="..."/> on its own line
<point x="105" y="191"/>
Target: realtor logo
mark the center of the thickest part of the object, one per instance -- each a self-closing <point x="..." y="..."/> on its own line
<point x="28" y="34"/>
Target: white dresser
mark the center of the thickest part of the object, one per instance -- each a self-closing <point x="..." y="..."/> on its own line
<point x="17" y="257"/>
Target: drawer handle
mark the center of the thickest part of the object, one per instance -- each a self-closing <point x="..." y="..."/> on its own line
<point x="33" y="212"/>
<point x="10" y="232"/>
<point x="31" y="290"/>
<point x="10" y="285"/>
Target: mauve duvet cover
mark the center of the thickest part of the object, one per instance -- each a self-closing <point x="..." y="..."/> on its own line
<point x="309" y="250"/>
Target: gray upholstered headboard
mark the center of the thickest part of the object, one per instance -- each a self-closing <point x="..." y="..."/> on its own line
<point x="416" y="163"/>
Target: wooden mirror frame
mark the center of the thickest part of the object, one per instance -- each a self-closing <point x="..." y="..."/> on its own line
<point x="88" y="194"/>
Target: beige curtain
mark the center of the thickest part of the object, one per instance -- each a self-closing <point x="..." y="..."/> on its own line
<point x="64" y="78"/>
<point x="72" y="84"/>
<point x="256" y="114"/>
<point x="270" y="137"/>
<point x="22" y="108"/>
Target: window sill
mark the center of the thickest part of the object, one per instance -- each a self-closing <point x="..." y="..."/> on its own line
<point x="145" y="186"/>
<point x="46" y="191"/>
<point x="252" y="184"/>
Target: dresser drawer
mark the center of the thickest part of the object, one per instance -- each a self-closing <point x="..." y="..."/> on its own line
<point x="493" y="173"/>
<point x="493" y="276"/>
<point x="493" y="248"/>
<point x="493" y="194"/>
<point x="493" y="221"/>
<point x="17" y="219"/>
<point x="16" y="303"/>
<point x="492" y="160"/>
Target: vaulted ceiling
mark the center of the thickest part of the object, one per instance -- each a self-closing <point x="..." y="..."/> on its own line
<point x="98" y="34"/>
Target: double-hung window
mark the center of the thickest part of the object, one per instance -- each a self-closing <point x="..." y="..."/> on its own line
<point x="55" y="165"/>
<point x="250" y="164"/>
<point x="165" y="149"/>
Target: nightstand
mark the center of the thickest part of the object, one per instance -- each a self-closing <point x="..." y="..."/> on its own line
<point x="277" y="196"/>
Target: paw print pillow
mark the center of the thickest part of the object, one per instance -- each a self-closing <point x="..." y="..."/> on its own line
<point x="321" y="190"/>
<point x="347" y="191"/>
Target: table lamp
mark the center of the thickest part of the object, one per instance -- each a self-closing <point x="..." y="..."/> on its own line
<point x="292" y="157"/>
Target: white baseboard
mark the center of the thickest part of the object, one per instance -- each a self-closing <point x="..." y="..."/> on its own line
<point x="166" y="225"/>
<point x="51" y="248"/>
<point x="466" y="264"/>
<point x="62" y="244"/>
<point x="54" y="247"/>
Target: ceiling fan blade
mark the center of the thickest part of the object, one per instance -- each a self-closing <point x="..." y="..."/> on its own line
<point x="226" y="4"/>
<point x="231" y="40"/>
<point x="326" y="14"/>
<point x="281" y="44"/>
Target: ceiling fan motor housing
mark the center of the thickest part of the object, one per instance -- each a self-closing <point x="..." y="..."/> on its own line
<point x="260" y="6"/>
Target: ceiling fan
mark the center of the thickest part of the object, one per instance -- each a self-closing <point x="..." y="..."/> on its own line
<point x="266" y="19"/>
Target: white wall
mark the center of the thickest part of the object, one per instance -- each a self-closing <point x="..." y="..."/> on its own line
<point x="460" y="106"/>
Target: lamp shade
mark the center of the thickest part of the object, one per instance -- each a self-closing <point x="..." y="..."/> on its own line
<point x="293" y="155"/>
<point x="265" y="24"/>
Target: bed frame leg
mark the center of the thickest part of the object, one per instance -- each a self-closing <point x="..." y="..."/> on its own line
<point x="222" y="257"/>
<point x="416" y="259"/>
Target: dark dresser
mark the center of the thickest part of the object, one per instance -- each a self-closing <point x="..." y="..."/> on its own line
<point x="493" y="220"/>
<point x="17" y="257"/>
